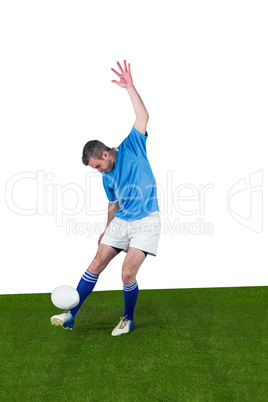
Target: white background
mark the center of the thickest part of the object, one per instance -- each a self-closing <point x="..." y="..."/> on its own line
<point x="201" y="70"/>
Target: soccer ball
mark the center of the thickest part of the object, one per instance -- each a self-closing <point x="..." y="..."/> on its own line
<point x="65" y="297"/>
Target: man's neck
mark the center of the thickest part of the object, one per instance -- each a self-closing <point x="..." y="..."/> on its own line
<point x="113" y="154"/>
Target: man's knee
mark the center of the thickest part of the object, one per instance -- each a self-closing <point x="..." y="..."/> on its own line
<point x="103" y="256"/>
<point x="128" y="277"/>
<point x="96" y="265"/>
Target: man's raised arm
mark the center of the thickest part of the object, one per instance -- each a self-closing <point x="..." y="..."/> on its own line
<point x="126" y="81"/>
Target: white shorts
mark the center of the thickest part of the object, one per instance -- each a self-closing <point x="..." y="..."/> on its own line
<point x="142" y="234"/>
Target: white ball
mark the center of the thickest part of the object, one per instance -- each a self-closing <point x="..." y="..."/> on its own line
<point x="65" y="297"/>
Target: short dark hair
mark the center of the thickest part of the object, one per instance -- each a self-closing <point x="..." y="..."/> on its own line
<point x="93" y="149"/>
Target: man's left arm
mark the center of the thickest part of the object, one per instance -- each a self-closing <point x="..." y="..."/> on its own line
<point x="126" y="81"/>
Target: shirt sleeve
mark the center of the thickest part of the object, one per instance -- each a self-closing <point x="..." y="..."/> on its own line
<point x="109" y="190"/>
<point x="136" y="142"/>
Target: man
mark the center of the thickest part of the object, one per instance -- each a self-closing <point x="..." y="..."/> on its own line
<point x="133" y="214"/>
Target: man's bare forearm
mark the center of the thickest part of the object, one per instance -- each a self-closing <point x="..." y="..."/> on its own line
<point x="139" y="107"/>
<point x="112" y="208"/>
<point x="126" y="81"/>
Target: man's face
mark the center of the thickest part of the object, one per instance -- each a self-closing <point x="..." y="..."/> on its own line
<point x="104" y="164"/>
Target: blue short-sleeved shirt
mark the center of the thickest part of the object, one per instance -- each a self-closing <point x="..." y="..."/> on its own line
<point x="131" y="182"/>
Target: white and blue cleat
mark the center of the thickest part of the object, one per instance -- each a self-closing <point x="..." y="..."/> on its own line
<point x="64" y="320"/>
<point x="124" y="327"/>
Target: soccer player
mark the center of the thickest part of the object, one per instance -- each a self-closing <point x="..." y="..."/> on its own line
<point x="133" y="224"/>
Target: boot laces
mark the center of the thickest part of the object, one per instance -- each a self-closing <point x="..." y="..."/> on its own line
<point x="124" y="322"/>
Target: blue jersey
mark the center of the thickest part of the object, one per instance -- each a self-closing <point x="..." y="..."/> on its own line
<point x="131" y="182"/>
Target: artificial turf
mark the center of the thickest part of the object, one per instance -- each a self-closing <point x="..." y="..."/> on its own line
<point x="188" y="345"/>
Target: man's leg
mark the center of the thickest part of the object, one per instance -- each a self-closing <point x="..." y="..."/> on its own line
<point x="131" y="265"/>
<point x="89" y="279"/>
<point x="87" y="283"/>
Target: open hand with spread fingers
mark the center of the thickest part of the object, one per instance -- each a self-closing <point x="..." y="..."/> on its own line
<point x="124" y="76"/>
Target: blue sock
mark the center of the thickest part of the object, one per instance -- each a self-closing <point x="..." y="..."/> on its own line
<point x="130" y="296"/>
<point x="84" y="288"/>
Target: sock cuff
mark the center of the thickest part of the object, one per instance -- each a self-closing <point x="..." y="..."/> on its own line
<point x="89" y="277"/>
<point x="129" y="288"/>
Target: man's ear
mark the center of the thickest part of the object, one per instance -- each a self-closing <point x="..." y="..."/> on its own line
<point x="105" y="154"/>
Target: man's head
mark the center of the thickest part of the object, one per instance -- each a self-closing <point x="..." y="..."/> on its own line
<point x="98" y="156"/>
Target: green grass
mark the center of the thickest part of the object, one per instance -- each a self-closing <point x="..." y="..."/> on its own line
<point x="188" y="345"/>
